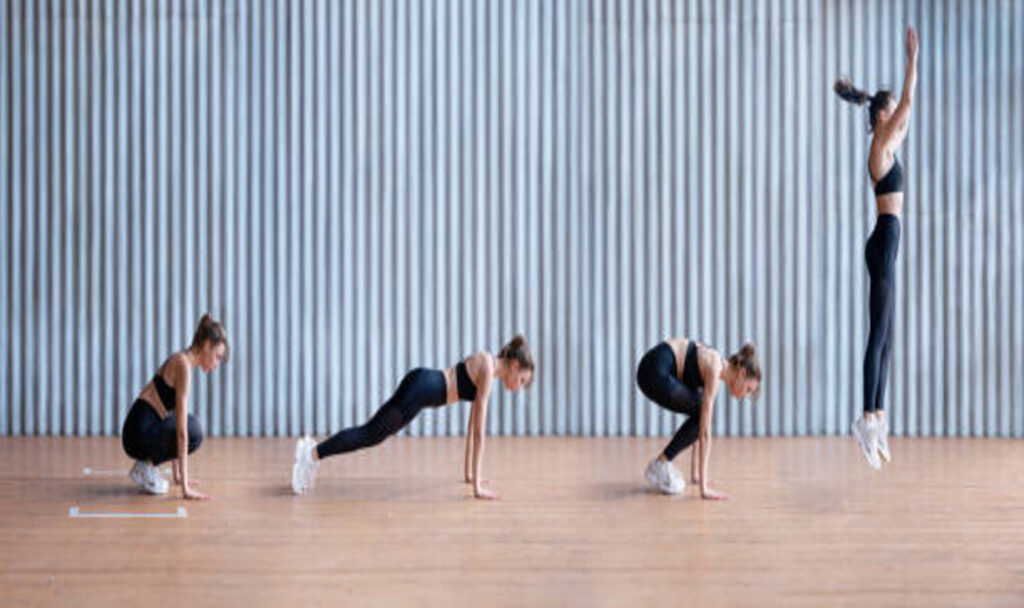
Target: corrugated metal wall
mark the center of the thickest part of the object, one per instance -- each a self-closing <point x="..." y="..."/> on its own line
<point x="361" y="187"/>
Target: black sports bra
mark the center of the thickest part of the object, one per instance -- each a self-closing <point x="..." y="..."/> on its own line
<point x="691" y="370"/>
<point x="168" y="396"/>
<point x="892" y="181"/>
<point x="167" y="393"/>
<point x="467" y="390"/>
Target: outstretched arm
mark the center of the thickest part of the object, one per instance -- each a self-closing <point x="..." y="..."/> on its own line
<point x="694" y="476"/>
<point x="183" y="384"/>
<point x="480" y="405"/>
<point x="470" y="436"/>
<point x="901" y="117"/>
<point x="706" y="412"/>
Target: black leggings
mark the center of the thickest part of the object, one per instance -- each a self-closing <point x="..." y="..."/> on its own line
<point x="880" y="255"/>
<point x="146" y="437"/>
<point x="420" y="388"/>
<point x="656" y="377"/>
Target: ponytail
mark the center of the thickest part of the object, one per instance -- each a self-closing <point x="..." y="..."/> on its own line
<point x="212" y="332"/>
<point x="517" y="350"/>
<point x="845" y="89"/>
<point x="745" y="360"/>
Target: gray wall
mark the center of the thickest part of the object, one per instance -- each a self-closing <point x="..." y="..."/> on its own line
<point x="358" y="188"/>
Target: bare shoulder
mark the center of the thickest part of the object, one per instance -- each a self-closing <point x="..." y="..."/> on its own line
<point x="709" y="360"/>
<point x="480" y="364"/>
<point x="176" y="369"/>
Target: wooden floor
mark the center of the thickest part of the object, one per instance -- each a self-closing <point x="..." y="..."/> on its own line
<point x="807" y="523"/>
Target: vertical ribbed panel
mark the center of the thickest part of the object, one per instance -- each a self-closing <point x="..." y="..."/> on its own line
<point x="357" y="188"/>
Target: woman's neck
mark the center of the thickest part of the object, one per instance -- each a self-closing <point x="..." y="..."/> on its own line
<point x="192" y="357"/>
<point x="501" y="369"/>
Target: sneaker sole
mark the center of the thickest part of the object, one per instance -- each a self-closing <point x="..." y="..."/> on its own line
<point x="673" y="490"/>
<point x="155" y="491"/>
<point x="141" y="483"/>
<point x="864" y="449"/>
<point x="297" y="466"/>
<point x="312" y="463"/>
<point x="301" y="469"/>
<point x="653" y="480"/>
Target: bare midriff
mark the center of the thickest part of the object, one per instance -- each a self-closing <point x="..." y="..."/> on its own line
<point x="451" y="386"/>
<point x="890" y="204"/>
<point x="150" y="396"/>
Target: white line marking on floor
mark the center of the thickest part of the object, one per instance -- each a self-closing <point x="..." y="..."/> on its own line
<point x="89" y="471"/>
<point x="180" y="513"/>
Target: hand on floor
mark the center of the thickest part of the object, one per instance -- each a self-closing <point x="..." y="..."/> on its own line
<point x="483" y="493"/>
<point x="191" y="494"/>
<point x="710" y="494"/>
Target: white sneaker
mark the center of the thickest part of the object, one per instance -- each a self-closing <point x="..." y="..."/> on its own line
<point x="158" y="480"/>
<point x="882" y="437"/>
<point x="158" y="477"/>
<point x="304" y="469"/>
<point x="665" y="477"/>
<point x="138" y="474"/>
<point x="148" y="478"/>
<point x="676" y="477"/>
<point x="867" y="437"/>
<point x="312" y="464"/>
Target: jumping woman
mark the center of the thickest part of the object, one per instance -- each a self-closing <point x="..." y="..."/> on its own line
<point x="683" y="376"/>
<point x="889" y="122"/>
<point x="158" y="427"/>
<point x="469" y="380"/>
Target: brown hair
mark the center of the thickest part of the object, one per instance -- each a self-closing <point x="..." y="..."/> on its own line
<point x="845" y="89"/>
<point x="745" y="360"/>
<point x="213" y="332"/>
<point x="517" y="350"/>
